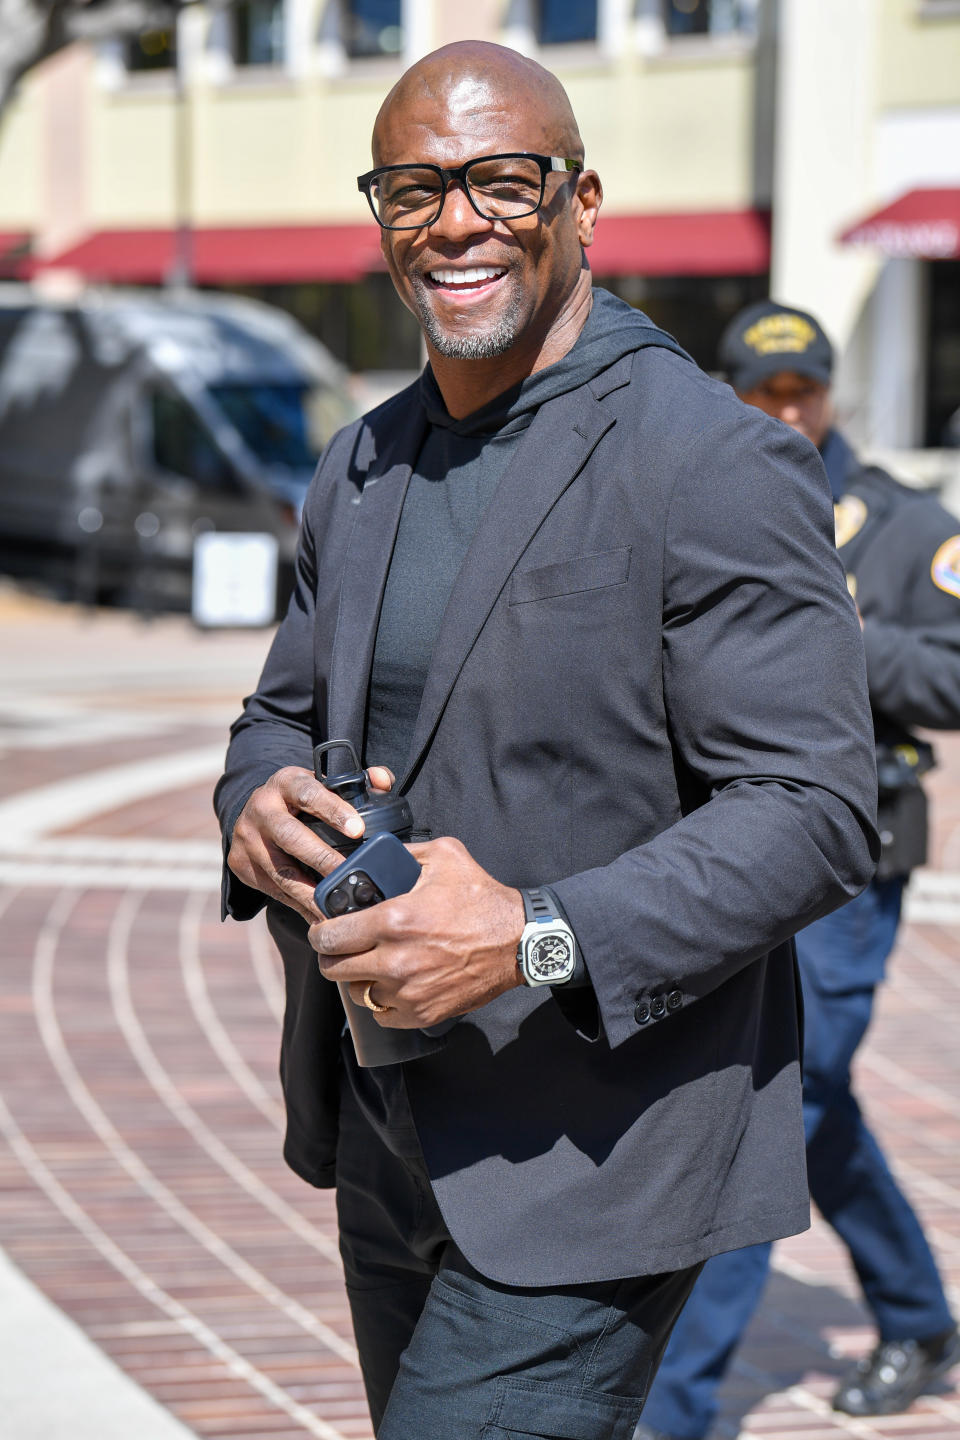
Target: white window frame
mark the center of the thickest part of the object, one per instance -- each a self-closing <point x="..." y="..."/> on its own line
<point x="521" y="22"/>
<point x="218" y="62"/>
<point x="653" y="39"/>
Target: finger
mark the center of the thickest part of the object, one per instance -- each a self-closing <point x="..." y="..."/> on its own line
<point x="369" y="995"/>
<point x="276" y="873"/>
<point x="380" y="777"/>
<point x="273" y="816"/>
<point x="302" y="791"/>
<point x="290" y="891"/>
<point x="345" y="969"/>
<point x="291" y="838"/>
<point x="339" y="941"/>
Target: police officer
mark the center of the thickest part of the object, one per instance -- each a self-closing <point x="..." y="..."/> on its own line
<point x="901" y="551"/>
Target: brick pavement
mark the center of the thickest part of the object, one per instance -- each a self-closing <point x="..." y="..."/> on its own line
<point x="141" y="1184"/>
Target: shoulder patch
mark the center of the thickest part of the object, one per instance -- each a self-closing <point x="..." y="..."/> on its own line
<point x="945" y="567"/>
<point x="849" y="517"/>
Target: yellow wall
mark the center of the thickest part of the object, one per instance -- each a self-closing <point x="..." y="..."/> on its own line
<point x="919" y="58"/>
<point x="251" y="152"/>
<point x="668" y="133"/>
<point x="132" y="158"/>
<point x="20" y="163"/>
<point x="345" y="112"/>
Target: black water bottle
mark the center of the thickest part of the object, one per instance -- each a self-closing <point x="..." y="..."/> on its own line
<point x="383" y="811"/>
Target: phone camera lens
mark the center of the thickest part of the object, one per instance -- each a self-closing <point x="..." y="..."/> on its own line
<point x="337" y="901"/>
<point x="364" y="891"/>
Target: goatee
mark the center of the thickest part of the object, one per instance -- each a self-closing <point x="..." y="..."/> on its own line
<point x="478" y="345"/>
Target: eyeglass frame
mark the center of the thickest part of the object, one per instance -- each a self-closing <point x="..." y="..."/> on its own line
<point x="549" y="164"/>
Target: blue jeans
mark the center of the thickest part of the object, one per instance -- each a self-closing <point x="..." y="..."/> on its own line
<point x="841" y="960"/>
<point x="446" y="1352"/>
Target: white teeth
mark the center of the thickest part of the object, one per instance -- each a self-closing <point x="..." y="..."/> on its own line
<point x="465" y="277"/>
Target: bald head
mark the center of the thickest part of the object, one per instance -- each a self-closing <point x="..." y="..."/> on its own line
<point x="472" y="79"/>
<point x="492" y="260"/>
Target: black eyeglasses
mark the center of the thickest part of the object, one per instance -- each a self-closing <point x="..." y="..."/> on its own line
<point x="499" y="187"/>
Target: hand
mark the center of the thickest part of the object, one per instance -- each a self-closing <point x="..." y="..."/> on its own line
<point x="273" y="850"/>
<point x="444" y="949"/>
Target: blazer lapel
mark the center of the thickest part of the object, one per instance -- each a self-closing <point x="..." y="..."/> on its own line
<point x="365" y="569"/>
<point x="557" y="445"/>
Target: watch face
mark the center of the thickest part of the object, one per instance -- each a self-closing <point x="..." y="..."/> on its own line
<point x="550" y="957"/>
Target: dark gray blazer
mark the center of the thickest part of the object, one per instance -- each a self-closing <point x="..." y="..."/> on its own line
<point x="648" y="691"/>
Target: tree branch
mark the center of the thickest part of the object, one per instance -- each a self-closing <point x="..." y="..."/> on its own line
<point x="33" y="30"/>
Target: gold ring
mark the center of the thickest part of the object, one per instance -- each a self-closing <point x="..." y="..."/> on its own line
<point x="369" y="1001"/>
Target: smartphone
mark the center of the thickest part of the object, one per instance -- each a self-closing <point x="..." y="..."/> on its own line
<point x="377" y="869"/>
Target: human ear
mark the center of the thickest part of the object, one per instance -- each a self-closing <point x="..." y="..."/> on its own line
<point x="589" y="198"/>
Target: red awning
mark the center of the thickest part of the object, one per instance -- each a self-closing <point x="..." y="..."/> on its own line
<point x="701" y="242"/>
<point x="727" y="242"/>
<point x="922" y="224"/>
<point x="264" y="255"/>
<point x="14" y="245"/>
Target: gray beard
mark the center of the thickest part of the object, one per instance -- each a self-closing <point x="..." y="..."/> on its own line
<point x="483" y="345"/>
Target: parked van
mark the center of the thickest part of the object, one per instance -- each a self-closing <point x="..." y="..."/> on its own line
<point x="133" y="422"/>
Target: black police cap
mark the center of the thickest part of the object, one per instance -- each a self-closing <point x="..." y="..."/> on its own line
<point x="767" y="338"/>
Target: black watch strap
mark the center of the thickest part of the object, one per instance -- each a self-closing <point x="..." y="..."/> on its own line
<point x="536" y="906"/>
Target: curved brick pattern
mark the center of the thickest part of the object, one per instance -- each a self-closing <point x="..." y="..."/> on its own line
<point x="141" y="1184"/>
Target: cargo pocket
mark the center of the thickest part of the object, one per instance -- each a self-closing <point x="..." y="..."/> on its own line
<point x="525" y="1408"/>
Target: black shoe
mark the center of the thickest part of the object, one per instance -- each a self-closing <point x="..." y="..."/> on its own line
<point x="891" y="1377"/>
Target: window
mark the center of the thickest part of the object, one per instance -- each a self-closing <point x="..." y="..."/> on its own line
<point x="943" y="354"/>
<point x="364" y="324"/>
<point x="709" y="17"/>
<point x="257" y="32"/>
<point x="372" y="27"/>
<point x="272" y="420"/>
<point x="562" y="21"/>
<point x="182" y="445"/>
<point x="694" y="308"/>
<point x="151" y="50"/>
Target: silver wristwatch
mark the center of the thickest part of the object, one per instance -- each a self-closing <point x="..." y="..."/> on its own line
<point x="547" y="953"/>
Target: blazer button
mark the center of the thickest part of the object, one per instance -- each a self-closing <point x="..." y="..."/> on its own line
<point x="658" y="1007"/>
<point x="642" y="1012"/>
<point x="674" y="999"/>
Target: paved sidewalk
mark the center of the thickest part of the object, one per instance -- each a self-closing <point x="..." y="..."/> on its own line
<point x="165" y="1273"/>
<point x="56" y="1382"/>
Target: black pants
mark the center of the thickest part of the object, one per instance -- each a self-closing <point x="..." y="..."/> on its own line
<point x="446" y="1352"/>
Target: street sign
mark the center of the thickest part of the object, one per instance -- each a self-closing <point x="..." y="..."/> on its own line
<point x="234" y="579"/>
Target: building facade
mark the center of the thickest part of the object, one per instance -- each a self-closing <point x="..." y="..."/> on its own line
<point x="742" y="144"/>
<point x="866" y="203"/>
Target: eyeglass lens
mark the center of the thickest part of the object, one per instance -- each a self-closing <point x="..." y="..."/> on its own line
<point x="500" y="189"/>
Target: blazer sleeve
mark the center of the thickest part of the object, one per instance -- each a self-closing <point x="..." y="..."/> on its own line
<point x="765" y="700"/>
<point x="914" y="672"/>
<point x="911" y="629"/>
<point x="278" y="726"/>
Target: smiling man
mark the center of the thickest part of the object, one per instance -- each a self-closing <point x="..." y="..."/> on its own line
<point x="491" y="279"/>
<point x="586" y="609"/>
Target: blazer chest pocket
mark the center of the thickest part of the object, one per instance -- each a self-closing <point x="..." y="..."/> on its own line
<point x="568" y="577"/>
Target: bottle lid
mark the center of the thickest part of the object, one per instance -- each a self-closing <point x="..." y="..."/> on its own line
<point x="381" y="810"/>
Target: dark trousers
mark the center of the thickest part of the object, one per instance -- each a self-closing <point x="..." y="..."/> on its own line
<point x="850" y="1181"/>
<point x="446" y="1352"/>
